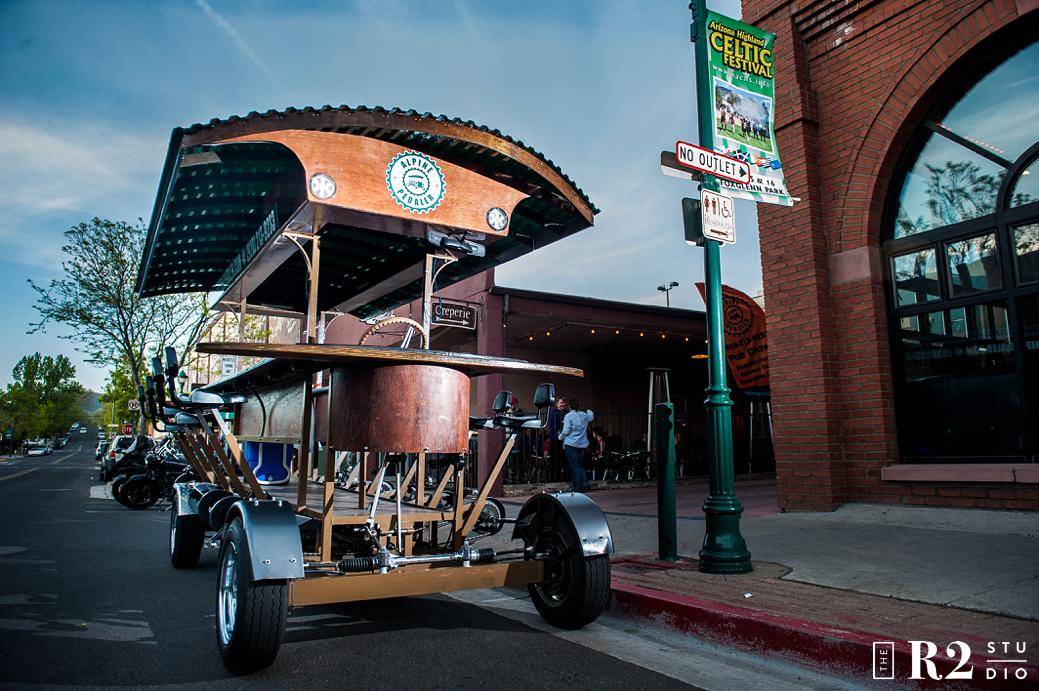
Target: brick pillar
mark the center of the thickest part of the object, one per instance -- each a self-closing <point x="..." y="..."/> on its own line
<point x="796" y="279"/>
<point x="489" y="341"/>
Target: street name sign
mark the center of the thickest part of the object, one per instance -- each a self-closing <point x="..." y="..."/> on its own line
<point x="459" y="314"/>
<point x="669" y="166"/>
<point x="134" y="404"/>
<point x="719" y="216"/>
<point x="699" y="158"/>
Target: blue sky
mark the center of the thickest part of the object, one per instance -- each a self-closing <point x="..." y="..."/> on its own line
<point x="91" y="90"/>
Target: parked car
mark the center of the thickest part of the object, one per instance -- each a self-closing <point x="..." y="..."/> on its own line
<point x="39" y="450"/>
<point x="114" y="452"/>
<point x="102" y="447"/>
<point x="60" y="442"/>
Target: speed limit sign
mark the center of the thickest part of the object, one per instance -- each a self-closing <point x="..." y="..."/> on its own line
<point x="134" y="404"/>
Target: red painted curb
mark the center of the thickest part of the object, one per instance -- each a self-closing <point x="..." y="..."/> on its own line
<point x="832" y="648"/>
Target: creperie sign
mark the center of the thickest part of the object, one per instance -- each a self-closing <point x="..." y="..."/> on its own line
<point x="707" y="161"/>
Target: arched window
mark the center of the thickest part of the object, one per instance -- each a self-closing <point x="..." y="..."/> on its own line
<point x="962" y="257"/>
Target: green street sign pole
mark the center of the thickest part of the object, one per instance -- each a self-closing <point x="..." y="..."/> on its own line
<point x="724" y="550"/>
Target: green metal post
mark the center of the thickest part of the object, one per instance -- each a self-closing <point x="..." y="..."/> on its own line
<point x="724" y="550"/>
<point x="664" y="447"/>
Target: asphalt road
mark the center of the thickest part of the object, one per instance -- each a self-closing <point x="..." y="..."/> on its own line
<point x="88" y="599"/>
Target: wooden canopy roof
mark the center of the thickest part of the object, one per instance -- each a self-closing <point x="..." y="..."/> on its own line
<point x="231" y="188"/>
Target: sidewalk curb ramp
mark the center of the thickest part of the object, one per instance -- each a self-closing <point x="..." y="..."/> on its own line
<point x="832" y="648"/>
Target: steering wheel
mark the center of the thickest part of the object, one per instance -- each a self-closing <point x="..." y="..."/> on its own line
<point x="398" y="329"/>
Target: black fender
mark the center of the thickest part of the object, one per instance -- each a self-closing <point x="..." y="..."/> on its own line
<point x="272" y="531"/>
<point x="186" y="495"/>
<point x="582" y="515"/>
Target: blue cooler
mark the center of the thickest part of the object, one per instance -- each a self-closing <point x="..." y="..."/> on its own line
<point x="269" y="461"/>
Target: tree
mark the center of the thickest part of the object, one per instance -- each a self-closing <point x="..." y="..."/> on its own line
<point x="43" y="398"/>
<point x="119" y="390"/>
<point x="113" y="325"/>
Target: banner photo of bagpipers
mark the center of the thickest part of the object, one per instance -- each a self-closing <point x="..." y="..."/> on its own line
<point x="742" y="98"/>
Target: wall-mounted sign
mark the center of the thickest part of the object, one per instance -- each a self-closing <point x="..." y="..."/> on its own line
<point x="448" y="313"/>
<point x="746" y="339"/>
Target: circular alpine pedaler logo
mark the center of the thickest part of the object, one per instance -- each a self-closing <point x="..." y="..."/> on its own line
<point x="738" y="317"/>
<point x="415" y="181"/>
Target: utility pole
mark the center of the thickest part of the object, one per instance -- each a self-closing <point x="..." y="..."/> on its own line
<point x="724" y="550"/>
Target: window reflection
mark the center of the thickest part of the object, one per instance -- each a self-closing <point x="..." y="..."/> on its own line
<point x="973" y="265"/>
<point x="999" y="119"/>
<point x="1026" y="187"/>
<point x="1028" y="313"/>
<point x="999" y="112"/>
<point x="916" y="277"/>
<point x="960" y="392"/>
<point x="978" y="342"/>
<point x="949" y="184"/>
<point x="1026" y="251"/>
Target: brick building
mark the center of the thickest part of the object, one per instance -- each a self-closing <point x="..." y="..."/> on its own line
<point x="903" y="289"/>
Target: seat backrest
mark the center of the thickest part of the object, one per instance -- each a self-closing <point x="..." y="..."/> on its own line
<point x="502" y="402"/>
<point x="544" y="396"/>
<point x="172" y="366"/>
<point x="149" y="394"/>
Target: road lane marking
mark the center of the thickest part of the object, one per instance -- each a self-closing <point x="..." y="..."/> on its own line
<point x="18" y="474"/>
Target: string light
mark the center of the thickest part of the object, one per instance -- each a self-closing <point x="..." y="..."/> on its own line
<point x="593" y="330"/>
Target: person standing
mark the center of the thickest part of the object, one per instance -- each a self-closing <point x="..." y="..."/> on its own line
<point x="574" y="436"/>
<point x="554" y="447"/>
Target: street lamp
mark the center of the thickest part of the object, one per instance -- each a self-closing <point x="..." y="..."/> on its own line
<point x="667" y="291"/>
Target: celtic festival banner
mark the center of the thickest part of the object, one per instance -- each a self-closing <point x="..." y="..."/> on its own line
<point x="746" y="341"/>
<point x="742" y="96"/>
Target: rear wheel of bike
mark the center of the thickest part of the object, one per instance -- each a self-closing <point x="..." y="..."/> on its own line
<point x="187" y="534"/>
<point x="138" y="494"/>
<point x="117" y="487"/>
<point x="576" y="588"/>
<point x="250" y="615"/>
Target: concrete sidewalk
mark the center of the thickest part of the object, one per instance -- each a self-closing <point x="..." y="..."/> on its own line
<point x="826" y="586"/>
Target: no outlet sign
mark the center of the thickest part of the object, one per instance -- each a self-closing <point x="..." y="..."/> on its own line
<point x="699" y="158"/>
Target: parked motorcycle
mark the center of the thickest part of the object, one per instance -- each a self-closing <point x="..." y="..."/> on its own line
<point x="152" y="482"/>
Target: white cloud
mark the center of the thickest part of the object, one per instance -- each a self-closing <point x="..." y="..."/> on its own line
<point x="237" y="40"/>
<point x="59" y="169"/>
